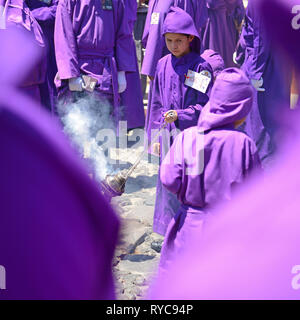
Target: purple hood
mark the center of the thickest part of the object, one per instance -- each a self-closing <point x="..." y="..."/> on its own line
<point x="215" y="60"/>
<point x="231" y="100"/>
<point x="179" y="21"/>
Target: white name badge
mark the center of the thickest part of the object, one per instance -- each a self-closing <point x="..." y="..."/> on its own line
<point x="198" y="81"/>
<point x="155" y="18"/>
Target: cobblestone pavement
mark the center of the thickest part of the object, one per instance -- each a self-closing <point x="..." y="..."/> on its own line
<point x="136" y="257"/>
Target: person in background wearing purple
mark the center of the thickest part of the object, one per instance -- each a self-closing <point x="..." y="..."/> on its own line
<point x="207" y="162"/>
<point x="222" y="30"/>
<point x="139" y="28"/>
<point x="152" y="37"/>
<point x="93" y="51"/>
<point x="132" y="97"/>
<point x="44" y="12"/>
<point x="181" y="88"/>
<point x="17" y="14"/>
<point x="271" y="75"/>
<point x="57" y="233"/>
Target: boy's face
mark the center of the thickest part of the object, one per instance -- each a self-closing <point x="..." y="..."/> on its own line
<point x="178" y="44"/>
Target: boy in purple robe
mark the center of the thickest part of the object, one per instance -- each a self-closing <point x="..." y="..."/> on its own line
<point x="180" y="89"/>
<point x="207" y="162"/>
<point x="57" y="233"/>
<point x="44" y="12"/>
<point x="93" y="51"/>
<point x="17" y="13"/>
<point x="221" y="32"/>
<point x="270" y="74"/>
<point x="132" y="97"/>
<point x="153" y="39"/>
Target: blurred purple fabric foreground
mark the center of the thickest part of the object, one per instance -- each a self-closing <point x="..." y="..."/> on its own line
<point x="57" y="233"/>
<point x="250" y="248"/>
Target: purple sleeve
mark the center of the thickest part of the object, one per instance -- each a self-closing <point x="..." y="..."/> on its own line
<point x="131" y="6"/>
<point x="65" y="41"/>
<point x="250" y="164"/>
<point x="241" y="48"/>
<point x="45" y="14"/>
<point x="189" y="116"/>
<point x="123" y="49"/>
<point x="171" y="167"/>
<point x="260" y="47"/>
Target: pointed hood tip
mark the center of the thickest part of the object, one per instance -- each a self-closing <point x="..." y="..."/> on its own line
<point x="231" y="100"/>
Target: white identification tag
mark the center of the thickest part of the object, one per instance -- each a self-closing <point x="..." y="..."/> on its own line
<point x="155" y="18"/>
<point x="198" y="81"/>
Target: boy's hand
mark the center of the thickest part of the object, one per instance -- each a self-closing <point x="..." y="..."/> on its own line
<point x="171" y="116"/>
<point x="156" y="149"/>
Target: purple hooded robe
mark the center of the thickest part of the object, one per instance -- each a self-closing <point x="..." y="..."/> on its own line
<point x="251" y="250"/>
<point x="94" y="41"/>
<point x="263" y="62"/>
<point x="221" y="34"/>
<point x="45" y="14"/>
<point x="153" y="36"/>
<point x="57" y="233"/>
<point x="208" y="161"/>
<point x="18" y="14"/>
<point x="171" y="93"/>
<point x="132" y="97"/>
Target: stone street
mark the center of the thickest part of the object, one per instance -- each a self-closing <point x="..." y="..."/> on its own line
<point x="135" y="259"/>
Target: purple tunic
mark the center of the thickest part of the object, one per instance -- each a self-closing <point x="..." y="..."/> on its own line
<point x="19" y="14"/>
<point x="171" y="93"/>
<point x="93" y="41"/>
<point x="207" y="162"/>
<point x="45" y="16"/>
<point x="221" y="34"/>
<point x="261" y="61"/>
<point x="251" y="250"/>
<point x="156" y="47"/>
<point x="57" y="233"/>
<point x="132" y="97"/>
